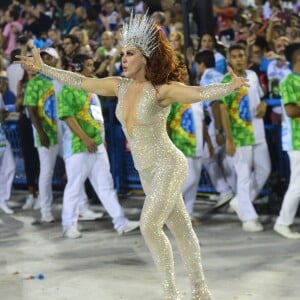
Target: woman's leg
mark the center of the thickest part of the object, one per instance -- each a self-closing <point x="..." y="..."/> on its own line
<point x="159" y="203"/>
<point x="181" y="227"/>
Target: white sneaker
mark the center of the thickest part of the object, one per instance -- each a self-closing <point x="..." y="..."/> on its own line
<point x="286" y="231"/>
<point x="71" y="233"/>
<point x="223" y="200"/>
<point x="6" y="209"/>
<point x="130" y="226"/>
<point x="253" y="226"/>
<point x="37" y="203"/>
<point x="89" y="215"/>
<point x="48" y="218"/>
<point x="29" y="202"/>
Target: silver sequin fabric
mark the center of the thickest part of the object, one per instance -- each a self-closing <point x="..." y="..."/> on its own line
<point x="215" y="91"/>
<point x="162" y="169"/>
<point x="66" y="77"/>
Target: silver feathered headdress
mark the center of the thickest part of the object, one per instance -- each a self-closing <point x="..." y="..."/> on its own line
<point x="139" y="33"/>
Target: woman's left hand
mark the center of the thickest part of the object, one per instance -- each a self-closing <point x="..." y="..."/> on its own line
<point x="237" y="81"/>
<point x="31" y="64"/>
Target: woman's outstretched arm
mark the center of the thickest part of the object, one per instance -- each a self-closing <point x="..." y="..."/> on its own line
<point x="178" y="92"/>
<point x="105" y="86"/>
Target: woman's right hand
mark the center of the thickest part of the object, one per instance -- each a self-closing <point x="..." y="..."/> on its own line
<point x="31" y="64"/>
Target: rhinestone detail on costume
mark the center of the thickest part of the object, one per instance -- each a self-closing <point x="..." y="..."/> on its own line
<point x="162" y="169"/>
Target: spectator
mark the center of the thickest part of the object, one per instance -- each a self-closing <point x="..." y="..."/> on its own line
<point x="290" y="142"/>
<point x="15" y="72"/>
<point x="68" y="20"/>
<point x="258" y="61"/>
<point x="219" y="168"/>
<point x="82" y="35"/>
<point x="108" y="42"/>
<point x="7" y="164"/>
<point x="8" y="97"/>
<point x="109" y="16"/>
<point x="278" y="70"/>
<point x="10" y="31"/>
<point x="208" y="42"/>
<point x="71" y="46"/>
<point x="159" y="18"/>
<point x="225" y="14"/>
<point x="93" y="27"/>
<point x="105" y="53"/>
<point x="54" y="35"/>
<point x="29" y="151"/>
<point x="186" y="130"/>
<point x="81" y="14"/>
<point x="242" y="114"/>
<point x="40" y="22"/>
<point x="83" y="143"/>
<point x="177" y="41"/>
<point x="47" y="131"/>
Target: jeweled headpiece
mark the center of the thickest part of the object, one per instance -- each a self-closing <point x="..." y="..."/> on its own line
<point x="139" y="33"/>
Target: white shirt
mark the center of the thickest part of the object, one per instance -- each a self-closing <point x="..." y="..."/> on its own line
<point x="210" y="76"/>
<point x="255" y="94"/>
<point x="15" y="73"/>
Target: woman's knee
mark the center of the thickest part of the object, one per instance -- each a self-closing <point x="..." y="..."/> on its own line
<point x="149" y="228"/>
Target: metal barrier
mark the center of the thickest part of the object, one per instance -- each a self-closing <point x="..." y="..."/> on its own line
<point x="126" y="176"/>
<point x="122" y="168"/>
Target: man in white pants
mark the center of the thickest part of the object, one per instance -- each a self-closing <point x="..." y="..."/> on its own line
<point x="7" y="165"/>
<point x="40" y="99"/>
<point x="85" y="154"/>
<point x="242" y="114"/>
<point x="290" y="90"/>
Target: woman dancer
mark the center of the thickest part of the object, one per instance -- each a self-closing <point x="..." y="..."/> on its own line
<point x="152" y="83"/>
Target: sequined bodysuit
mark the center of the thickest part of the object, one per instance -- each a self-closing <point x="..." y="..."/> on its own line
<point x="162" y="169"/>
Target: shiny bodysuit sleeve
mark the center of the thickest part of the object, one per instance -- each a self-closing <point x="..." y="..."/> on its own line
<point x="66" y="77"/>
<point x="215" y="91"/>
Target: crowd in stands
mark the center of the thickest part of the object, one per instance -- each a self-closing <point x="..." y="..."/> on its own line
<point x="65" y="30"/>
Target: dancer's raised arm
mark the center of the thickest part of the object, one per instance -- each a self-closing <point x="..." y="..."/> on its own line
<point x="178" y="92"/>
<point x="105" y="86"/>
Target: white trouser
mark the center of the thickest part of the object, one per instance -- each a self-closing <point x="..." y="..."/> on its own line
<point x="253" y="166"/>
<point x="47" y="158"/>
<point x="94" y="166"/>
<point x="220" y="170"/>
<point x="292" y="196"/>
<point x="191" y="184"/>
<point x="7" y="172"/>
<point x="84" y="202"/>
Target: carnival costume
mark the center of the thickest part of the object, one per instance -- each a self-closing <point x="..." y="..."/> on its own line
<point x="162" y="167"/>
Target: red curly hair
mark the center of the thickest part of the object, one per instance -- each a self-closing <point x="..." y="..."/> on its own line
<point x="163" y="66"/>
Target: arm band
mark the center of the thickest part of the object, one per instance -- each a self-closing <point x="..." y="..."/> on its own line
<point x="66" y="77"/>
<point x="215" y="91"/>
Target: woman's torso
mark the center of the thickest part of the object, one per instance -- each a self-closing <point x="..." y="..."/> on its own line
<point x="147" y="137"/>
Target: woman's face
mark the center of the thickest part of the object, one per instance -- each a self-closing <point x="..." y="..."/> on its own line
<point x="175" y="43"/>
<point x="207" y="42"/>
<point x="133" y="62"/>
